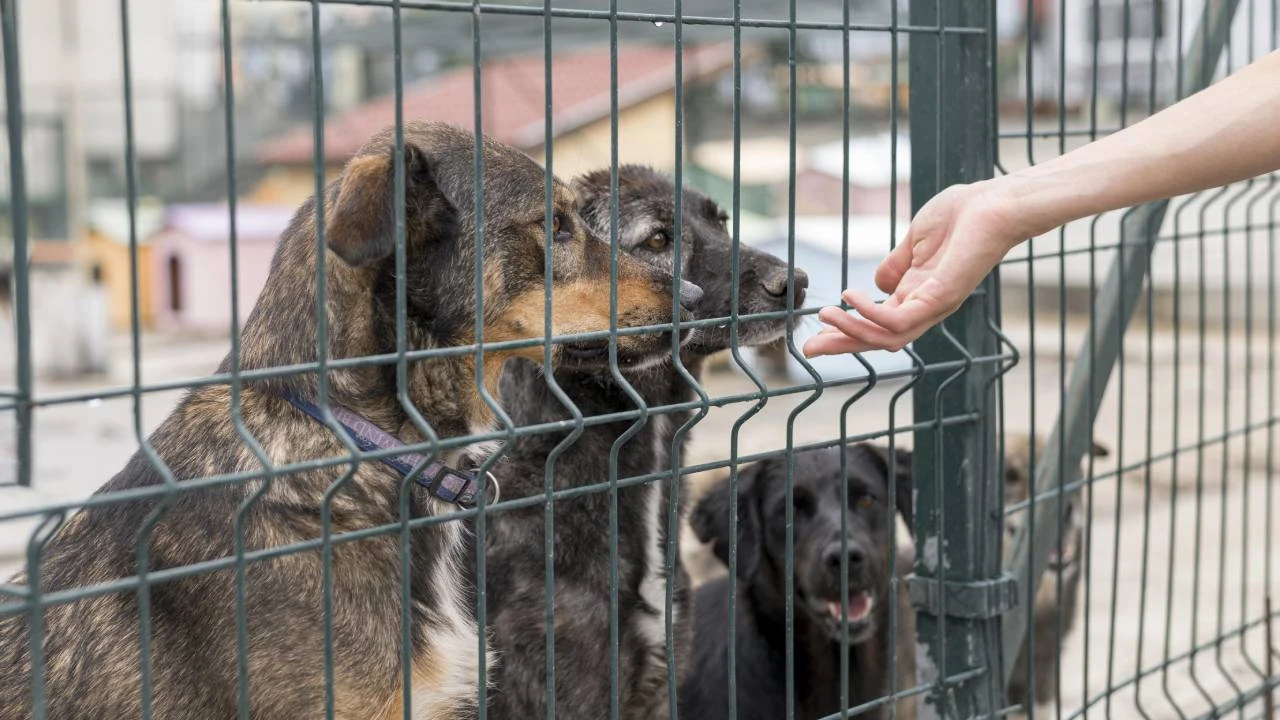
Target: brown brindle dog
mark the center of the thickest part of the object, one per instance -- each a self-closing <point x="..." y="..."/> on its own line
<point x="91" y="652"/>
<point x="1056" y="601"/>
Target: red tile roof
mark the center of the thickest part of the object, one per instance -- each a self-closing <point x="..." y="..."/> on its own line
<point x="514" y="97"/>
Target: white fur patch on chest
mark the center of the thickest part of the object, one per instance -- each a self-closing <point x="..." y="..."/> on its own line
<point x="450" y="674"/>
<point x="653" y="584"/>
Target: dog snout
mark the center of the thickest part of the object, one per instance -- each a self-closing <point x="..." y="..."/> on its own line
<point x="690" y="295"/>
<point x="857" y="557"/>
<point x="775" y="283"/>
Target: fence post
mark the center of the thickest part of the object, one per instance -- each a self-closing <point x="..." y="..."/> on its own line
<point x="957" y="587"/>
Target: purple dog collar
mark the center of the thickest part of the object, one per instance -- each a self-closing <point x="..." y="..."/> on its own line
<point x="439" y="479"/>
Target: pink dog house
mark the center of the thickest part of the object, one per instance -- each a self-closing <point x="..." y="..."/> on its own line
<point x="191" y="263"/>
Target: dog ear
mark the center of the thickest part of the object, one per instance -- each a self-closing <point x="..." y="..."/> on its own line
<point x="902" y="482"/>
<point x="593" y="193"/>
<point x="361" y="224"/>
<point x="710" y="520"/>
<point x="904" y="486"/>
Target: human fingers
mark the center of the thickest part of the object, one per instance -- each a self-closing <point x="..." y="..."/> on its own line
<point x="904" y="318"/>
<point x="833" y="343"/>
<point x="871" y="335"/>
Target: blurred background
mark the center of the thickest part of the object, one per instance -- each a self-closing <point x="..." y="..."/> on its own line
<point x="1066" y="71"/>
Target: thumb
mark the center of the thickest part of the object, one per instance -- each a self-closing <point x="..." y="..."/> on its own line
<point x="891" y="270"/>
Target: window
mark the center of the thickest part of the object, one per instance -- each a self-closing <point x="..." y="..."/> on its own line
<point x="1146" y="19"/>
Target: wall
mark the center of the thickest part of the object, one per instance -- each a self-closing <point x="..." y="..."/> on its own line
<point x="206" y="282"/>
<point x="68" y="323"/>
<point x="820" y="194"/>
<point x="646" y="135"/>
<point x="288" y="185"/>
<point x="113" y="259"/>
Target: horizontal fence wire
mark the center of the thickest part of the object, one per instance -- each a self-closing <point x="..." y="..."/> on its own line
<point x="1159" y="609"/>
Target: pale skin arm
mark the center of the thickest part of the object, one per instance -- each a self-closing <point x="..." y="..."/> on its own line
<point x="1228" y="132"/>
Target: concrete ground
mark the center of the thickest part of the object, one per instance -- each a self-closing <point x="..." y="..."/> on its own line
<point x="1178" y="555"/>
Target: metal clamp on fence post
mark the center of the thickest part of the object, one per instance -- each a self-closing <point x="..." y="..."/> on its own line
<point x="974" y="600"/>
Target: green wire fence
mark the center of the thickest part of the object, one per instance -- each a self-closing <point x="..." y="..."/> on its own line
<point x="1161" y="325"/>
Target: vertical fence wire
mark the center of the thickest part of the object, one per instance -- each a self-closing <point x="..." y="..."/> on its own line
<point x="49" y="523"/>
<point x="615" y="631"/>
<point x="502" y="419"/>
<point x="1148" y="450"/>
<point x="676" y="450"/>
<point x="1249" y="408"/>
<point x="19" y="229"/>
<point x="400" y="243"/>
<point x="237" y="416"/>
<point x="166" y="475"/>
<point x="1062" y="396"/>
<point x="735" y="264"/>
<point x="548" y="327"/>
<point x="322" y="356"/>
<point x="1268" y="649"/>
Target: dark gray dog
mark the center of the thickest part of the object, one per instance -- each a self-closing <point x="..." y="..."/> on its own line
<point x="820" y="619"/>
<point x="91" y="649"/>
<point x="516" y="578"/>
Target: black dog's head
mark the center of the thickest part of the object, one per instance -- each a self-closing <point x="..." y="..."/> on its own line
<point x="647" y="230"/>
<point x="821" y="543"/>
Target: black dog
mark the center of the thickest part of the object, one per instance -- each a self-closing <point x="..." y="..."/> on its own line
<point x="516" y="577"/>
<point x="820" y="620"/>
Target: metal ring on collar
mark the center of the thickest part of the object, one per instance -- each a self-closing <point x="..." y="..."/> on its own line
<point x="497" y="488"/>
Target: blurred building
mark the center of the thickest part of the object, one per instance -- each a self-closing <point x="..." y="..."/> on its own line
<point x="109" y="254"/>
<point x="513" y="107"/>
<point x="191" y="263"/>
<point x="1136" y="41"/>
<point x="765" y="167"/>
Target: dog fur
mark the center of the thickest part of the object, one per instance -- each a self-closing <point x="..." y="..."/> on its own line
<point x="1052" y="622"/>
<point x="92" y="660"/>
<point x="646" y="228"/>
<point x="760" y="609"/>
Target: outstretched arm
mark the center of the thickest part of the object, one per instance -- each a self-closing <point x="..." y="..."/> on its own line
<point x="1227" y="132"/>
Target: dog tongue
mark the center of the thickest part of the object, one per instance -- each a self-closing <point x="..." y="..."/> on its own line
<point x="859" y="607"/>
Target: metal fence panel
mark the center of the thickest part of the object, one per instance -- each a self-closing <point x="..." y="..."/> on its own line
<point x="974" y="601"/>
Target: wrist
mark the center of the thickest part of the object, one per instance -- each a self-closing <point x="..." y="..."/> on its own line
<point x="1013" y="205"/>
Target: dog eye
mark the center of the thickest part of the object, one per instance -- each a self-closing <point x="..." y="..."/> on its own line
<point x="561" y="228"/>
<point x="658" y="241"/>
<point x="802" y="503"/>
<point x="863" y="501"/>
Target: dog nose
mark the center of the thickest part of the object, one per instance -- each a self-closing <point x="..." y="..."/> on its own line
<point x="776" y="284"/>
<point x="854" y="553"/>
<point x="690" y="294"/>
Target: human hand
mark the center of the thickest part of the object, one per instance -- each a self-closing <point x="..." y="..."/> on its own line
<point x="952" y="244"/>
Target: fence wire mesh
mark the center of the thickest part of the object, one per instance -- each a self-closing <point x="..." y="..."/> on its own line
<point x="674" y="509"/>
